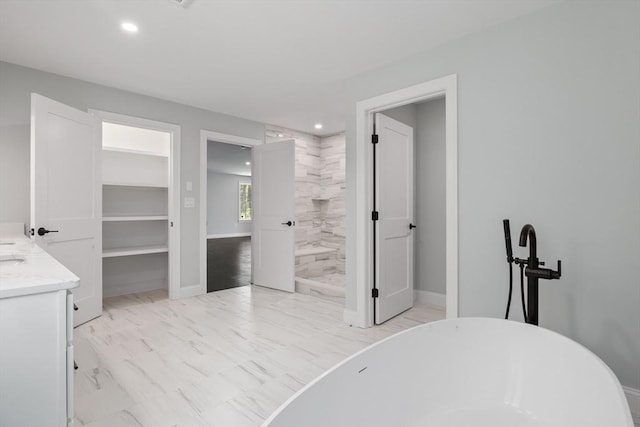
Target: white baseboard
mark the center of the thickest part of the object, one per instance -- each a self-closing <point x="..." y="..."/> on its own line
<point x="222" y="236"/>
<point x="109" y="291"/>
<point x="191" y="291"/>
<point x="350" y="317"/>
<point x="633" y="397"/>
<point x="430" y="298"/>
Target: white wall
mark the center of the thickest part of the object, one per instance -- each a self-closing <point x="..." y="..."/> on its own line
<point x="223" y="204"/>
<point x="548" y="131"/>
<point x="16" y="84"/>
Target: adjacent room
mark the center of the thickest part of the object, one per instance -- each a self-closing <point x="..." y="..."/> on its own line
<point x="308" y="213"/>
<point x="228" y="216"/>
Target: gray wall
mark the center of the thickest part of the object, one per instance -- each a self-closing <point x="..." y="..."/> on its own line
<point x="222" y="204"/>
<point x="16" y="84"/>
<point x="406" y="114"/>
<point x="430" y="197"/>
<point x="548" y="108"/>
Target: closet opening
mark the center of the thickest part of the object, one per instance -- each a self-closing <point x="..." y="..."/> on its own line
<point x="140" y="206"/>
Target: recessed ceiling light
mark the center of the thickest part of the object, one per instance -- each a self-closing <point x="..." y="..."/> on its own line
<point x="318" y="126"/>
<point x="129" y="27"/>
<point x="247" y="163"/>
<point x="280" y="135"/>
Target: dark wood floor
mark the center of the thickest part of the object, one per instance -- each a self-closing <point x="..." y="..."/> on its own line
<point x="228" y="263"/>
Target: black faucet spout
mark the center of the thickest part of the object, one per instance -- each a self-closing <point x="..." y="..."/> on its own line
<point x="529" y="232"/>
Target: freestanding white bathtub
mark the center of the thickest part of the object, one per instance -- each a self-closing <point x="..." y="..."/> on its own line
<point x="460" y="373"/>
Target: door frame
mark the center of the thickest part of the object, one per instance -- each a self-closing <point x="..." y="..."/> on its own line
<point x="361" y="275"/>
<point x="173" y="190"/>
<point x="226" y="138"/>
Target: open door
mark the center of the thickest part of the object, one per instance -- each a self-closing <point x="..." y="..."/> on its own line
<point x="273" y="235"/>
<point x="66" y="196"/>
<point x="393" y="228"/>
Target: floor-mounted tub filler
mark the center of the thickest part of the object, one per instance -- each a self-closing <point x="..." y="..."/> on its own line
<point x="461" y="373"/>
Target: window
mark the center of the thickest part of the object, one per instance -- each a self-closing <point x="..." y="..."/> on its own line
<point x="245" y="201"/>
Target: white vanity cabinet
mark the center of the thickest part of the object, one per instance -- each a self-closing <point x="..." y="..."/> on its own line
<point x="36" y="336"/>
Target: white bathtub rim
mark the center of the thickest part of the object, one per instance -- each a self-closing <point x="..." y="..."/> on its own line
<point x="620" y="390"/>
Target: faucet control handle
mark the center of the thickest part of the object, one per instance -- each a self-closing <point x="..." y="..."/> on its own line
<point x="556" y="274"/>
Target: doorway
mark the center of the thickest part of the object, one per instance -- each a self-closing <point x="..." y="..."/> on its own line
<point x="363" y="269"/>
<point x="225" y="262"/>
<point x="229" y="215"/>
<point x="410" y="259"/>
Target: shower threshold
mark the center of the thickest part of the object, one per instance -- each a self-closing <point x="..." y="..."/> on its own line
<point x="326" y="287"/>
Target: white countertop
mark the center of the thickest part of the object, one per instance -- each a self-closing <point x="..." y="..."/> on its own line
<point x="27" y="269"/>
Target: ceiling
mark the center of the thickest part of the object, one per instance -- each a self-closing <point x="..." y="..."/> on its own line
<point x="277" y="62"/>
<point x="228" y="158"/>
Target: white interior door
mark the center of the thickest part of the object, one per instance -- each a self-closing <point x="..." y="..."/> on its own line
<point x="273" y="235"/>
<point x="394" y="203"/>
<point x="66" y="196"/>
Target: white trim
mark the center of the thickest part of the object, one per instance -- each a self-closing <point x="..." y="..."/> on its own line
<point x="633" y="397"/>
<point x="444" y="86"/>
<point x="205" y="136"/>
<point x="173" y="191"/>
<point x="350" y="317"/>
<point x="223" y="236"/>
<point x="191" y="291"/>
<point x="431" y="298"/>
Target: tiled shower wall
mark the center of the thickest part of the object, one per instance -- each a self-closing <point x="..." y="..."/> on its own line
<point x="320" y="190"/>
<point x="332" y="186"/>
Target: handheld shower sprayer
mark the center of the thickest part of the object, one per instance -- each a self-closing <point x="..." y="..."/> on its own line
<point x="510" y="261"/>
<point x="507" y="239"/>
<point x="507" y="242"/>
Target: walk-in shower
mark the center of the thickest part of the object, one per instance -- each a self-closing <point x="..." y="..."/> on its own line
<point x="319" y="210"/>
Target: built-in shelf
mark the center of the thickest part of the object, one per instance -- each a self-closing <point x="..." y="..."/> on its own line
<point x="132" y="151"/>
<point x="134" y="184"/>
<point x="138" y="250"/>
<point x="135" y="218"/>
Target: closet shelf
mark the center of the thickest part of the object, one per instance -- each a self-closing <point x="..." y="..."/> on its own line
<point x="134" y="184"/>
<point x="135" y="218"/>
<point x="136" y="250"/>
<point x="132" y="151"/>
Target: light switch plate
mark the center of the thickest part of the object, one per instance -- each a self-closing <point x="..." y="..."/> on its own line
<point x="189" y="202"/>
<point x="189" y="186"/>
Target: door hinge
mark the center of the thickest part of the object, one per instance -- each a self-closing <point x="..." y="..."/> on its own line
<point x="374" y="293"/>
<point x="374" y="139"/>
<point x="374" y="216"/>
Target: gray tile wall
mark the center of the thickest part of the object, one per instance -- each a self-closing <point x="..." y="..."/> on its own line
<point x="320" y="198"/>
<point x="332" y="186"/>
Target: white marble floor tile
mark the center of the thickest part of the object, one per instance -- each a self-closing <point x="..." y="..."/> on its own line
<point x="228" y="358"/>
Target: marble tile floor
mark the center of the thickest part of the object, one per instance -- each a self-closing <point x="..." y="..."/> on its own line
<point x="227" y="358"/>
